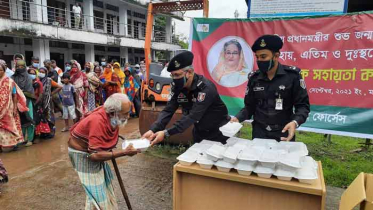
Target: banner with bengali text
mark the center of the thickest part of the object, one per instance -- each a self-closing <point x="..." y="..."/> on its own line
<point x="335" y="54"/>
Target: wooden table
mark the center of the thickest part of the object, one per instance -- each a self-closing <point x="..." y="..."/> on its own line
<point x="202" y="189"/>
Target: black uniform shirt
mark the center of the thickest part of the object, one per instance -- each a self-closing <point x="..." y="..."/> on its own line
<point x="202" y="106"/>
<point x="261" y="95"/>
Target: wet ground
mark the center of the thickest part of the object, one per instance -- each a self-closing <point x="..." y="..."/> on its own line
<point x="41" y="177"/>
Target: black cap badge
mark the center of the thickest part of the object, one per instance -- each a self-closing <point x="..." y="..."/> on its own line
<point x="177" y="64"/>
<point x="263" y="43"/>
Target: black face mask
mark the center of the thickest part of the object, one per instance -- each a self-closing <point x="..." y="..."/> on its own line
<point x="179" y="83"/>
<point x="20" y="70"/>
<point x="265" y="66"/>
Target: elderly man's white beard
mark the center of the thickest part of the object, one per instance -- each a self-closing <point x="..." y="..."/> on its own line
<point x="118" y="123"/>
<point x="123" y="124"/>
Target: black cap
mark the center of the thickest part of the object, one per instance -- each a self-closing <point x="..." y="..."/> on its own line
<point x="180" y="61"/>
<point x="269" y="42"/>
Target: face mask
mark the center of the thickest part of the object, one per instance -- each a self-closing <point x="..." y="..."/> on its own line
<point x="103" y="63"/>
<point x="41" y="75"/>
<point x="32" y="76"/>
<point x="35" y="65"/>
<point x="115" y="121"/>
<point x="265" y="66"/>
<point x="20" y="70"/>
<point x="179" y="83"/>
<point x="67" y="68"/>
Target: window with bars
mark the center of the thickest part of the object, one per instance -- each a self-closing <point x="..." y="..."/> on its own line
<point x="98" y="19"/>
<point x="129" y="27"/>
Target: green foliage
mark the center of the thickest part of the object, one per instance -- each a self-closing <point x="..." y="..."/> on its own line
<point x="160" y="23"/>
<point x="181" y="40"/>
<point x="166" y="151"/>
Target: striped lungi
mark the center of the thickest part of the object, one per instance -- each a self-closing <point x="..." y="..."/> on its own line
<point x="96" y="178"/>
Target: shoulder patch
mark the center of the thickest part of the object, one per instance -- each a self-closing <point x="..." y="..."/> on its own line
<point x="201" y="96"/>
<point x="303" y="83"/>
<point x="200" y="85"/>
<point x="252" y="73"/>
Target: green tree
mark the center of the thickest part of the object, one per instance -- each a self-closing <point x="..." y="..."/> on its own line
<point x="160" y="23"/>
<point x="180" y="40"/>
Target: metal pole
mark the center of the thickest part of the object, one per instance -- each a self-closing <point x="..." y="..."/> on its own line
<point x="121" y="184"/>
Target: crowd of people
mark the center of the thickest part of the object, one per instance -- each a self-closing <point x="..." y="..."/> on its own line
<point x="31" y="97"/>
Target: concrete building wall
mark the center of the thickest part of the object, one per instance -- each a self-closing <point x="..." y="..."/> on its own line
<point x="28" y="29"/>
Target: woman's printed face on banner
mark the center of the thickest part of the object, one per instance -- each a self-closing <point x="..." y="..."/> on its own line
<point x="229" y="61"/>
<point x="232" y="55"/>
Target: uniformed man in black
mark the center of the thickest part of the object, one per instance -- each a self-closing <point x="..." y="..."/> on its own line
<point x="199" y="100"/>
<point x="276" y="94"/>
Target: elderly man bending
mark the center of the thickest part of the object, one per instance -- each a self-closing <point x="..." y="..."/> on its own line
<point x="91" y="143"/>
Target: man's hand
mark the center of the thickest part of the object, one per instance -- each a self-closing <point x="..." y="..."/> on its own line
<point x="130" y="151"/>
<point x="290" y="127"/>
<point x="234" y="119"/>
<point x="148" y="135"/>
<point x="157" y="137"/>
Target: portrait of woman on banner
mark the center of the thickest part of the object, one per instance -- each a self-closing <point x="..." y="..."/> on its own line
<point x="232" y="68"/>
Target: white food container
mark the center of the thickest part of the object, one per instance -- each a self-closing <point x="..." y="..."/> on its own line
<point x="269" y="158"/>
<point x="280" y="148"/>
<point x="243" y="144"/>
<point x="188" y="157"/>
<point x="260" y="141"/>
<point x="290" y="161"/>
<point x="230" y="129"/>
<point x="308" y="161"/>
<point x="243" y="168"/>
<point x="204" y="162"/>
<point x="230" y="154"/>
<point x="200" y="148"/>
<point x="283" y="174"/>
<point x="215" y="152"/>
<point x="295" y="147"/>
<point x="141" y="144"/>
<point x="233" y="140"/>
<point x="306" y="174"/>
<point x="263" y="143"/>
<point x="223" y="166"/>
<point x="250" y="155"/>
<point x="210" y="142"/>
<point x="264" y="172"/>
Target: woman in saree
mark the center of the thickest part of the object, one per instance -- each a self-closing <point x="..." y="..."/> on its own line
<point x="37" y="98"/>
<point x="99" y="100"/>
<point x="45" y="109"/>
<point x="12" y="100"/>
<point x="130" y="88"/>
<point x="231" y="69"/>
<point x="111" y="82"/>
<point x="120" y="74"/>
<point x="94" y="87"/>
<point x="80" y="82"/>
<point x="24" y="82"/>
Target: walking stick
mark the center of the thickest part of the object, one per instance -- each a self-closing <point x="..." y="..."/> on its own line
<point x="121" y="184"/>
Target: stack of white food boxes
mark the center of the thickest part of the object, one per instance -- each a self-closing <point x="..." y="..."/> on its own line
<point x="265" y="157"/>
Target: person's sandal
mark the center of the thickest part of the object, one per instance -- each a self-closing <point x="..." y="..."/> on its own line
<point x="64" y="130"/>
